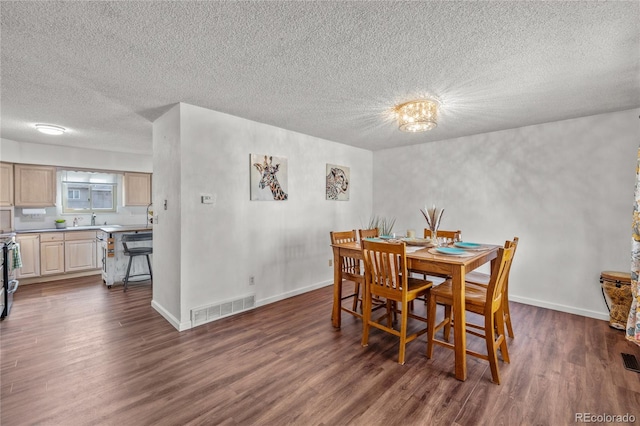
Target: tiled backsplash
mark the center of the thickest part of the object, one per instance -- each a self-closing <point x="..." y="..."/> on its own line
<point x="125" y="216"/>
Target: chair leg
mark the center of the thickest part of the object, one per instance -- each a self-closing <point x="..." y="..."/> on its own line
<point x="403" y="332"/>
<point x="507" y="317"/>
<point x="126" y="277"/>
<point x="431" y="324"/>
<point x="150" y="272"/>
<point x="500" y="326"/>
<point x="447" y="326"/>
<point x="490" y="338"/>
<point x="356" y="292"/>
<point x="391" y="313"/>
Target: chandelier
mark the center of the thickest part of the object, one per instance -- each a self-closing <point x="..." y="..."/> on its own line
<point x="417" y="116"/>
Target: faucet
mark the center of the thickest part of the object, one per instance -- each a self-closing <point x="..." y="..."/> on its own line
<point x="93" y="219"/>
<point x="75" y="221"/>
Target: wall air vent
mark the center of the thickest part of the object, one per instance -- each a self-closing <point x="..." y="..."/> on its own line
<point x="205" y="314"/>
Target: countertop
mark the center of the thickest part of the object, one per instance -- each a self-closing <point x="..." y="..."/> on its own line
<point x="125" y="228"/>
<point x="105" y="228"/>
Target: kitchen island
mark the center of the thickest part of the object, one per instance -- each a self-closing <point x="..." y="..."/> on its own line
<point x="114" y="261"/>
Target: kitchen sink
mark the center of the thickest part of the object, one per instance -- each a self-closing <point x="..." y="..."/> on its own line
<point x="93" y="227"/>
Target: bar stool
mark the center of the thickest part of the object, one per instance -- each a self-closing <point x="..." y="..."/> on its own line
<point x="136" y="251"/>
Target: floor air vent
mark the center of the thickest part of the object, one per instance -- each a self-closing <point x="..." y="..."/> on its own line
<point x="210" y="313"/>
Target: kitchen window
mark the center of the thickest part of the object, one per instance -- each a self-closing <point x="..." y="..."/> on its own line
<point x="85" y="192"/>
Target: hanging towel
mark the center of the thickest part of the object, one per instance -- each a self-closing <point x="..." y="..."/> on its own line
<point x="17" y="259"/>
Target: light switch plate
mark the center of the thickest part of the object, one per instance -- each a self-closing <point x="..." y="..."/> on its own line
<point x="208" y="199"/>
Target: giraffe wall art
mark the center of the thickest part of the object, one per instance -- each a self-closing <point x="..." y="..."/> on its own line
<point x="269" y="177"/>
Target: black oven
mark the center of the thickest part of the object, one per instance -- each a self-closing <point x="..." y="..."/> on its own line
<point x="10" y="255"/>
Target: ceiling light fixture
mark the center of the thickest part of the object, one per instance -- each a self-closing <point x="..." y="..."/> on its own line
<point x="50" y="129"/>
<point x="417" y="116"/>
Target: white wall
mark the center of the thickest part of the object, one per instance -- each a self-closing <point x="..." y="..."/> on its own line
<point x="167" y="235"/>
<point x="51" y="155"/>
<point x="55" y="155"/>
<point x="284" y="244"/>
<point x="565" y="188"/>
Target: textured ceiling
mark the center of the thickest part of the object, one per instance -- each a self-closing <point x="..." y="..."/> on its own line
<point x="106" y="70"/>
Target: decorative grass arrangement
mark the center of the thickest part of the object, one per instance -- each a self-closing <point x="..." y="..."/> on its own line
<point x="382" y="224"/>
<point x="433" y="217"/>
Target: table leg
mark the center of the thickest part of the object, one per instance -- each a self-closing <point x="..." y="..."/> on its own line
<point x="336" y="315"/>
<point x="459" y="318"/>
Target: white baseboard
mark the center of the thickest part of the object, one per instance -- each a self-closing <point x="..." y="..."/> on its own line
<point x="170" y="318"/>
<point x="289" y="294"/>
<point x="525" y="300"/>
<point x="562" y="308"/>
<point x="50" y="278"/>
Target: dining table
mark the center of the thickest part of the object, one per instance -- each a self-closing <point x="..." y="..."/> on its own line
<point x="426" y="260"/>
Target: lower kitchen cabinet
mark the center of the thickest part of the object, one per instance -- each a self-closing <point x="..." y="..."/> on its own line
<point x="51" y="253"/>
<point x="57" y="253"/>
<point x="30" y="254"/>
<point x="79" y="251"/>
<point x="52" y="257"/>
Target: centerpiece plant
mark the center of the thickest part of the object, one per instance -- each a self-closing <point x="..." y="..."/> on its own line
<point x="433" y="216"/>
<point x="382" y="224"/>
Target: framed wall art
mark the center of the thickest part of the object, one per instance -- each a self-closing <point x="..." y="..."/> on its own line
<point x="338" y="182"/>
<point x="269" y="178"/>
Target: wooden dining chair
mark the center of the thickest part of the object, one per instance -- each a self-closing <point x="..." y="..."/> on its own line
<point x="448" y="236"/>
<point x="368" y="233"/>
<point x="487" y="303"/>
<point x="351" y="270"/>
<point x="386" y="277"/>
<point x="479" y="279"/>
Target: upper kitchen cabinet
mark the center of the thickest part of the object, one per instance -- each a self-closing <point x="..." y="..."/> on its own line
<point x="137" y="189"/>
<point x="35" y="186"/>
<point x="6" y="184"/>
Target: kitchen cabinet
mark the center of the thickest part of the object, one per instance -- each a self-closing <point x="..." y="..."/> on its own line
<point x="51" y="253"/>
<point x="79" y="251"/>
<point x="115" y="263"/>
<point x="30" y="253"/>
<point x="137" y="189"/>
<point x="35" y="186"/>
<point x="6" y="219"/>
<point x="6" y="184"/>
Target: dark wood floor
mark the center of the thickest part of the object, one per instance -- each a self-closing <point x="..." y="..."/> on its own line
<point x="77" y="353"/>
